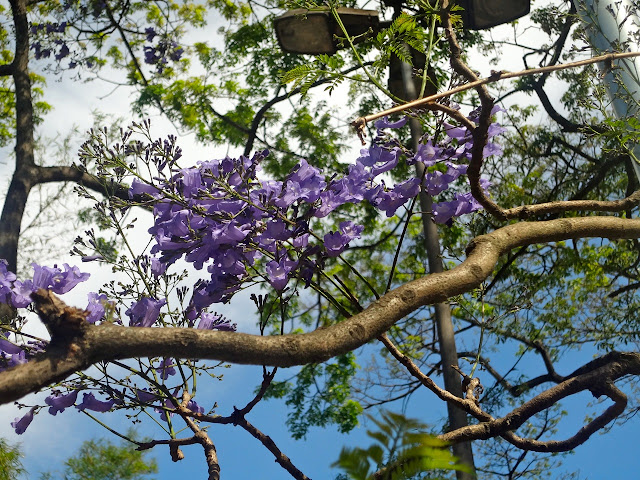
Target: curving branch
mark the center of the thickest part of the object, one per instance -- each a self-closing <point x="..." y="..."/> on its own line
<point x="597" y="376"/>
<point x="107" y="342"/>
<point x="527" y="211"/>
<point x="257" y="118"/>
<point x="494" y="77"/>
<point x="280" y="458"/>
<point x="81" y="177"/>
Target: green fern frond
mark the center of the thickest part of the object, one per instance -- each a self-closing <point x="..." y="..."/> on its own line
<point x="297" y="74"/>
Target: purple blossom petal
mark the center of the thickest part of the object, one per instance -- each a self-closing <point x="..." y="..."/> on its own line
<point x="335" y="243"/>
<point x="6" y="282"/>
<point x="8" y="347"/>
<point x="278" y="272"/>
<point x="194" y="407"/>
<point x="210" y="321"/>
<point x="96" y="307"/>
<point x="145" y="397"/>
<point x="145" y="312"/>
<point x="21" y="424"/>
<point x="21" y="293"/>
<point x="91" y="258"/>
<point x="166" y="368"/>
<point x="58" y="281"/>
<point x="57" y="403"/>
<point x="89" y="402"/>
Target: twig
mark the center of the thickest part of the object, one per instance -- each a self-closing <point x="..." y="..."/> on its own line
<point x="494" y="77"/>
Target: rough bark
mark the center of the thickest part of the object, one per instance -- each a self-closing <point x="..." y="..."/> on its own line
<point x="110" y="342"/>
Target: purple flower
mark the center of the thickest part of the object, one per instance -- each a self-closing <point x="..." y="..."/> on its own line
<point x="57" y="403"/>
<point x="176" y="53"/>
<point x="150" y="33"/>
<point x="390" y="201"/>
<point x="304" y="183"/>
<point x="165" y="369"/>
<point x="350" y="230"/>
<point x="8" y="347"/>
<point x="157" y="267"/>
<point x="64" y="51"/>
<point x="278" y="272"/>
<point x="11" y="360"/>
<point x="21" y="293"/>
<point x="277" y="230"/>
<point x="21" y="424"/>
<point x="455" y="132"/>
<point x="336" y="242"/>
<point x="96" y="307"/>
<point x="145" y="312"/>
<point x="163" y="413"/>
<point x="191" y="181"/>
<point x="64" y="282"/>
<point x="59" y="282"/>
<point x="194" y="407"/>
<point x="427" y="154"/>
<point x="144" y="396"/>
<point x="139" y="187"/>
<point x="90" y="402"/>
<point x="91" y="258"/>
<point x="330" y="201"/>
<point x="6" y="282"/>
<point x="464" y="203"/>
<point x="380" y="158"/>
<point x="209" y="321"/>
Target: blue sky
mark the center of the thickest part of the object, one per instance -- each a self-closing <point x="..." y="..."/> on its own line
<point x="51" y="439"/>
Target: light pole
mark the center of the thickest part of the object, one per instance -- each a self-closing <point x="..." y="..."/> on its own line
<point x="442" y="310"/>
<point x="612" y="25"/>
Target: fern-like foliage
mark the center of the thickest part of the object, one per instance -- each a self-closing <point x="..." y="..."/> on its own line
<point x="322" y="67"/>
<point x="401" y="451"/>
<point x="403" y="32"/>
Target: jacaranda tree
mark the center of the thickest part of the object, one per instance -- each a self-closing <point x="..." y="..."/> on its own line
<point x="535" y="219"/>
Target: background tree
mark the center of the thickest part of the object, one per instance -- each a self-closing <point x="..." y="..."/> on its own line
<point x="10" y="463"/>
<point x="102" y="460"/>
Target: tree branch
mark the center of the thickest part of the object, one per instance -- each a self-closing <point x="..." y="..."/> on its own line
<point x="110" y="342"/>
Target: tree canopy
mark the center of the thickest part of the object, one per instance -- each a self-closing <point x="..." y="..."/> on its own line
<point x="490" y="214"/>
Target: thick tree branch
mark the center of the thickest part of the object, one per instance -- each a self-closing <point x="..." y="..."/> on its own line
<point x="110" y="342"/>
<point x="528" y="211"/>
<point x="81" y="177"/>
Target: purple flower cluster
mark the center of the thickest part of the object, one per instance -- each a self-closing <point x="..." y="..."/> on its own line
<point x="145" y="312"/>
<point x="164" y="51"/>
<point x="17" y="293"/>
<point x="51" y="34"/>
<point x="219" y="214"/>
<point x="11" y="354"/>
<point x="58" y="402"/>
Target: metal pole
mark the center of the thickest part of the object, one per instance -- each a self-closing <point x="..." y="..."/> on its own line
<point x="612" y="25"/>
<point x="444" y="325"/>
